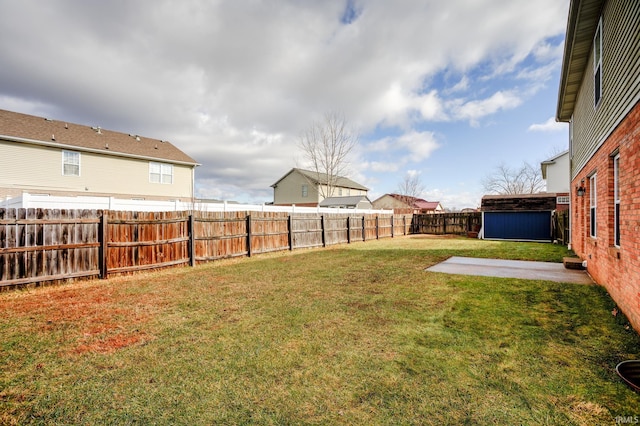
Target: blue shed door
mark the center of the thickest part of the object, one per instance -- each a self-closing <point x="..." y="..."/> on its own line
<point x="523" y="226"/>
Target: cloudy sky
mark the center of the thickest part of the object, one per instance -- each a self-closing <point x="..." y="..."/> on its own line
<point x="448" y="90"/>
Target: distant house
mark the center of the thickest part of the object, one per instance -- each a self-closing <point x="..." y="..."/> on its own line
<point x="44" y="156"/>
<point x="407" y="204"/>
<point x="599" y="97"/>
<point x="352" y="202"/>
<point x="555" y="171"/>
<point x="306" y="188"/>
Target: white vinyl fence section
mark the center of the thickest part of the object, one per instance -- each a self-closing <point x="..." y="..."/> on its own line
<point x="28" y="201"/>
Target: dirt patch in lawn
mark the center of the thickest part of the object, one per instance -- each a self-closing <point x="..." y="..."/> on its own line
<point x="88" y="317"/>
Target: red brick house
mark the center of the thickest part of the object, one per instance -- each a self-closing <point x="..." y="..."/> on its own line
<point x="598" y="97"/>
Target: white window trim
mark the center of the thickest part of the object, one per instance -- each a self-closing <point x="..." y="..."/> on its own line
<point x="616" y="200"/>
<point x="162" y="172"/>
<point x="593" y="206"/>
<point x="597" y="64"/>
<point x="75" y="153"/>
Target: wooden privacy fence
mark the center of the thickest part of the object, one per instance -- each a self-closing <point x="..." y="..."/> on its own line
<point x="447" y="223"/>
<point x="39" y="245"/>
<point x="560" y="227"/>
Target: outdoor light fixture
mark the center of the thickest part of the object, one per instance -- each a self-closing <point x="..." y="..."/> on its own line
<point x="580" y="189"/>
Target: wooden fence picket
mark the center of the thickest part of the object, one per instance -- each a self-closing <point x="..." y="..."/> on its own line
<point x="39" y="245"/>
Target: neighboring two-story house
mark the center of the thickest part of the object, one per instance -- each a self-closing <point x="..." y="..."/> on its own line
<point x="555" y="172"/>
<point x="308" y="188"/>
<point x="598" y="96"/>
<point x="45" y="156"/>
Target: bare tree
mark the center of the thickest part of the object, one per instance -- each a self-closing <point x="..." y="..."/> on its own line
<point x="326" y="145"/>
<point x="410" y="188"/>
<point x="511" y="181"/>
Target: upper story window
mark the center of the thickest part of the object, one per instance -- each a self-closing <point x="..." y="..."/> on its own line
<point x="160" y="173"/>
<point x="70" y="163"/>
<point x="305" y="191"/>
<point x="597" y="64"/>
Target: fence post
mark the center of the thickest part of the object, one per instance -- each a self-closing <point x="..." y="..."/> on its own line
<point x="392" y="225"/>
<point x="249" y="235"/>
<point x="290" y="230"/>
<point x="348" y="229"/>
<point x="322" y="226"/>
<point x="364" y="228"/>
<point x="377" y="227"/>
<point x="444" y="225"/>
<point x="192" y="241"/>
<point x="404" y="224"/>
<point x="102" y="252"/>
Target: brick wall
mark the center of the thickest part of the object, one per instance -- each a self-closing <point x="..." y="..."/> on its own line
<point x="618" y="269"/>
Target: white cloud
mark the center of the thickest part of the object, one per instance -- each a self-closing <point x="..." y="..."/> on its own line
<point x="234" y="83"/>
<point x="477" y="109"/>
<point x="451" y="199"/>
<point x="551" y="125"/>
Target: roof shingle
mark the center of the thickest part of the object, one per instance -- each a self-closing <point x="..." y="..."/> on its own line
<point x="19" y="127"/>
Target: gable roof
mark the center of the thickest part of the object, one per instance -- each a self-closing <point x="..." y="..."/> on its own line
<point x="581" y="28"/>
<point x="551" y="161"/>
<point x="323" y="179"/>
<point x="23" y="128"/>
<point x="426" y="205"/>
<point x="417" y="203"/>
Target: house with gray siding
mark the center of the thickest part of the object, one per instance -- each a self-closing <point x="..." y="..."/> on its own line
<point x="598" y="96"/>
<point x="308" y="188"/>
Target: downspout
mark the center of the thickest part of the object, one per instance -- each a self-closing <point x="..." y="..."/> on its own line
<point x="570" y="211"/>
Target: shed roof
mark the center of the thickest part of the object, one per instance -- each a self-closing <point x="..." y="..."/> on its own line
<point x="581" y="28"/>
<point x="23" y="128"/>
<point x="323" y="179"/>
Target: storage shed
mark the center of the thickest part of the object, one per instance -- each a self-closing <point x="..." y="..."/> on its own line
<point x="525" y="217"/>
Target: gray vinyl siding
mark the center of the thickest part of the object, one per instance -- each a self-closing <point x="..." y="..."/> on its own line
<point x="620" y="81"/>
<point x="289" y="190"/>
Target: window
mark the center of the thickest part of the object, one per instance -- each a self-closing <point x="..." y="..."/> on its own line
<point x="616" y="200"/>
<point x="562" y="199"/>
<point x="597" y="64"/>
<point x="160" y="173"/>
<point x="70" y="163"/>
<point x="339" y="192"/>
<point x="305" y="191"/>
<point x="592" y="205"/>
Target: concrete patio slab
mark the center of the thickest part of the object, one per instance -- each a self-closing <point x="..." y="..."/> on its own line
<point x="511" y="269"/>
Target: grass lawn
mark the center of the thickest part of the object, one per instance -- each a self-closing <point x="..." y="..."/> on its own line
<point x="356" y="334"/>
